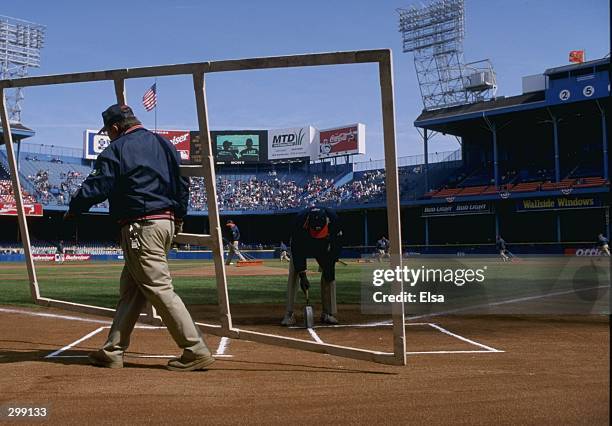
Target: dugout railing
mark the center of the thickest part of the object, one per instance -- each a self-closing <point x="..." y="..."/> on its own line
<point x="206" y="169"/>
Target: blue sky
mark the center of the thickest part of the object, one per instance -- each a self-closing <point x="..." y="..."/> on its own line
<point x="520" y="37"/>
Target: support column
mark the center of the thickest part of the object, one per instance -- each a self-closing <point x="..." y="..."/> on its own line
<point x="558" y="216"/>
<point x="495" y="155"/>
<point x="426" y="154"/>
<point x="604" y="141"/>
<point x="607" y="213"/>
<point x="427" y="232"/>
<point x="365" y="228"/>
<point x="496" y="224"/>
<point x="556" y="144"/>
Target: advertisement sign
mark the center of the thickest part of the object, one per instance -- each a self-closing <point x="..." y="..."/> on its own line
<point x="457" y="209"/>
<point x="10" y="209"/>
<point x="583" y="252"/>
<point x="556" y="203"/>
<point x="57" y="257"/>
<point x="345" y="140"/>
<point x="181" y="139"/>
<point x="94" y="144"/>
<point x="240" y="146"/>
<point x="290" y="143"/>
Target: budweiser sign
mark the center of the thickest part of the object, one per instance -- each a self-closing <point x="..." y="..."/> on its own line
<point x="61" y="258"/>
<point x="181" y="139"/>
<point x="10" y="209"/>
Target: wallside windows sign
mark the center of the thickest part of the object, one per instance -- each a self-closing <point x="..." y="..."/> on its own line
<point x="557" y="203"/>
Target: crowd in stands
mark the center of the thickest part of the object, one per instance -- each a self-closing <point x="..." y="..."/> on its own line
<point x="272" y="191"/>
<point x="42" y="185"/>
<point x="49" y="193"/>
<point x="254" y="193"/>
<point x="6" y="193"/>
<point x="247" y="193"/>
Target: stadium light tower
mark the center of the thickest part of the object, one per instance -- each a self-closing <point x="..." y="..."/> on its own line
<point x="434" y="33"/>
<point x="20" y="45"/>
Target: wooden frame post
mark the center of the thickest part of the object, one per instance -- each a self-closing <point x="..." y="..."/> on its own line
<point x="21" y="216"/>
<point x="393" y="203"/>
<point x="210" y="183"/>
<point x="207" y="170"/>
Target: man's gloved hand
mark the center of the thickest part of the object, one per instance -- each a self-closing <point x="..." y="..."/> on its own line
<point x="178" y="227"/>
<point x="304" y="283"/>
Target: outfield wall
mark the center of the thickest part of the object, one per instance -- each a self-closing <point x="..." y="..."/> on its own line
<point x="584" y="249"/>
<point x="174" y="254"/>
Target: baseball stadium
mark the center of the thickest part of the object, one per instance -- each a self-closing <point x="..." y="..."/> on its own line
<point x="469" y="285"/>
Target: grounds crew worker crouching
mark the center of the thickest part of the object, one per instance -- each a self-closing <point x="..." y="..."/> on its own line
<point x="139" y="174"/>
<point x="316" y="233"/>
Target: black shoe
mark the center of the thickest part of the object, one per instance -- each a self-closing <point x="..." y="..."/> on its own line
<point x="101" y="359"/>
<point x="183" y="364"/>
<point x="328" y="319"/>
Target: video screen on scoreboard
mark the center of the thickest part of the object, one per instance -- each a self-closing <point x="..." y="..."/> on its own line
<point x="239" y="147"/>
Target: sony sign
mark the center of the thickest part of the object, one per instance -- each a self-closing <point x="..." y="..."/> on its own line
<point x="290" y="143"/>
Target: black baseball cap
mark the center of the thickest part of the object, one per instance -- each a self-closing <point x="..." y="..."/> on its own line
<point x="317" y="219"/>
<point x="114" y="114"/>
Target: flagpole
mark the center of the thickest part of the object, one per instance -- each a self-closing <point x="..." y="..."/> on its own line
<point x="156" y="103"/>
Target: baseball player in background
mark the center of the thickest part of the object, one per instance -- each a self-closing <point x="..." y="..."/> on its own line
<point x="382" y="248"/>
<point x="59" y="252"/>
<point x="283" y="252"/>
<point x="234" y="242"/>
<point x="500" y="243"/>
<point x="139" y="174"/>
<point x="603" y="244"/>
<point x="316" y="233"/>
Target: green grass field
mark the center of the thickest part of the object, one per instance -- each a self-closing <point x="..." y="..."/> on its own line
<point x="97" y="283"/>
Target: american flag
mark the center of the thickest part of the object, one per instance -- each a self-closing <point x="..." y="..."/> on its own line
<point x="149" y="99"/>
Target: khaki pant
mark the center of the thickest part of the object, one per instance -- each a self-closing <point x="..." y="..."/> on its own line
<point x="146" y="277"/>
<point x="328" y="292"/>
<point x="233" y="251"/>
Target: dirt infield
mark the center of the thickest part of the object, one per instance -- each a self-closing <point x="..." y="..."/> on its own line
<point x="544" y="370"/>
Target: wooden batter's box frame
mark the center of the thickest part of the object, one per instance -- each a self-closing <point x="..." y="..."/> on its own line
<point x="198" y="70"/>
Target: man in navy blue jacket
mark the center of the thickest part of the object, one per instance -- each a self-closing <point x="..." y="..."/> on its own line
<point x="139" y="173"/>
<point x="316" y="233"/>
